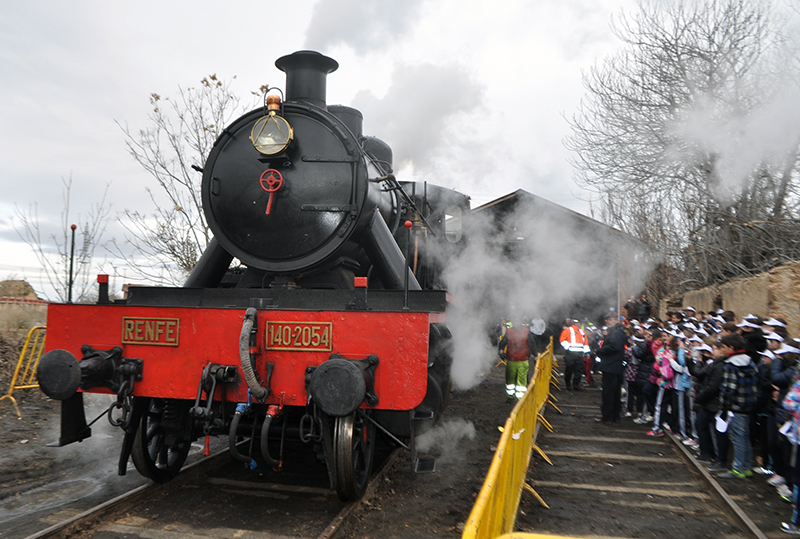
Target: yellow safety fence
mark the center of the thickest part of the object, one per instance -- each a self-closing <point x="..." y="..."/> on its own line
<point x="29" y="358"/>
<point x="495" y="510"/>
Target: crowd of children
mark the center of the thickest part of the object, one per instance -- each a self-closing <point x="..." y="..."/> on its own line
<point x="724" y="385"/>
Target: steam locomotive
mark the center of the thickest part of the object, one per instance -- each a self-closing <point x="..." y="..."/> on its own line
<point x="329" y="333"/>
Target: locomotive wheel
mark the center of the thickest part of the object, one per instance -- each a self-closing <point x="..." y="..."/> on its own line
<point x="151" y="454"/>
<point x="353" y="449"/>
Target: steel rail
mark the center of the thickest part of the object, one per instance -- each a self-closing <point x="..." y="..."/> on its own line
<point x="86" y="519"/>
<point x="350" y="508"/>
<point x="89" y="518"/>
<point x="730" y="506"/>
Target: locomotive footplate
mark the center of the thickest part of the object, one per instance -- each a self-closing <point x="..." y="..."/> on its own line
<point x="427" y="301"/>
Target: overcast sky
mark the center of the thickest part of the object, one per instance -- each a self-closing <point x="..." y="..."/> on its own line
<point x="492" y="82"/>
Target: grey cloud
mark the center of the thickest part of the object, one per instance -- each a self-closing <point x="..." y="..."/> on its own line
<point x="364" y="26"/>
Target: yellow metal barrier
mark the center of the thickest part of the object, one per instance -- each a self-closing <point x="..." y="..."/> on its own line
<point x="29" y="357"/>
<point x="495" y="510"/>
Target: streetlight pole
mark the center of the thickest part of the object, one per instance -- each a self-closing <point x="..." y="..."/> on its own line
<point x="71" y="262"/>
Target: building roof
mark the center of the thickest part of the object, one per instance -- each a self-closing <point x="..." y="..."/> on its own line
<point x="546" y="209"/>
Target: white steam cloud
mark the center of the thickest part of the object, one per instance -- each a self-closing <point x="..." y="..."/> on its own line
<point x="443" y="128"/>
<point x="741" y="140"/>
<point x="445" y="438"/>
<point x="364" y="26"/>
<point x="540" y="261"/>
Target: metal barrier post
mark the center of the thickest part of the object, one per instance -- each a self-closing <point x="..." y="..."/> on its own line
<point x="30" y="356"/>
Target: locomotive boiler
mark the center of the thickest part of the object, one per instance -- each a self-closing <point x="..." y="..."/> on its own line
<point x="315" y="316"/>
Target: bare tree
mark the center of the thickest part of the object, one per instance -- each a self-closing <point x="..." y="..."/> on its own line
<point x="54" y="250"/>
<point x="680" y="135"/>
<point x="163" y="246"/>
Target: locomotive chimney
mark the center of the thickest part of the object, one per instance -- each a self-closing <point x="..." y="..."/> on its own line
<point x="306" y="74"/>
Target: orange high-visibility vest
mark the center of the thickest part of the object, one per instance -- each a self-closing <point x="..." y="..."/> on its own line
<point x="573" y="339"/>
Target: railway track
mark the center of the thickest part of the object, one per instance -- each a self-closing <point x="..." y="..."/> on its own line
<point x="216" y="497"/>
<point x="609" y="481"/>
<point x="612" y="481"/>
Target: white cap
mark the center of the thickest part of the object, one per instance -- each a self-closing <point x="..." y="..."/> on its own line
<point x="689" y="309"/>
<point x="703" y="348"/>
<point x="774" y="323"/>
<point x="786" y="349"/>
<point x="694" y="338"/>
<point x="772" y="336"/>
<point x="747" y="324"/>
<point x="767" y="353"/>
<point x="750" y="316"/>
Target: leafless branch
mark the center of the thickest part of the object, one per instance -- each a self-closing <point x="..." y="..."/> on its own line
<point x="664" y="133"/>
<point x="163" y="246"/>
<point x="54" y="249"/>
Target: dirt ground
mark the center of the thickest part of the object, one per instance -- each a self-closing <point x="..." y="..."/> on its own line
<point x="405" y="504"/>
<point x="24" y="463"/>
<point x="438" y="504"/>
<point x="36" y="481"/>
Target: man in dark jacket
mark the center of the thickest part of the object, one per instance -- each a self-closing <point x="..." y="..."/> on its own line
<point x="706" y="404"/>
<point x="645" y="308"/>
<point x="643" y="352"/>
<point x="612" y="358"/>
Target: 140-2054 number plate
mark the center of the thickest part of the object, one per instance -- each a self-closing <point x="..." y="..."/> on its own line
<point x="300" y="336"/>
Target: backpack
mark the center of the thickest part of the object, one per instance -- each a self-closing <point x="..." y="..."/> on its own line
<point x="663" y="368"/>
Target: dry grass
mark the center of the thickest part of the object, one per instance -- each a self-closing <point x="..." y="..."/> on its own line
<point x="11" y="342"/>
<point x="15" y="322"/>
<point x="21" y="317"/>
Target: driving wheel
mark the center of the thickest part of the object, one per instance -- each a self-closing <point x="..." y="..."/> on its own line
<point x="157" y="453"/>
<point x="353" y="446"/>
